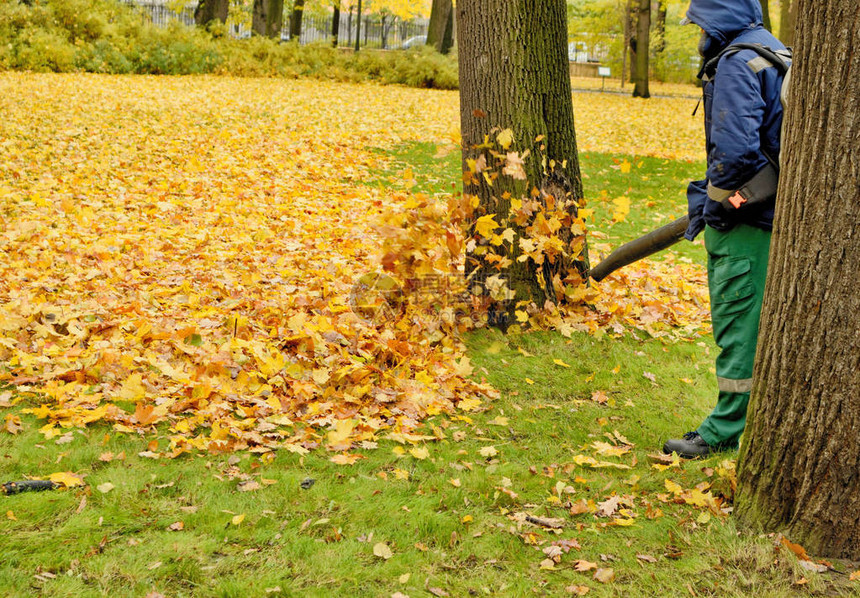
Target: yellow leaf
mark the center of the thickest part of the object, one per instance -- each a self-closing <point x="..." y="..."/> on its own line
<point x="529" y="381"/>
<point x="625" y="167"/>
<point x="505" y="138"/>
<point x="673" y="487"/>
<point x="420" y="452"/>
<point x="560" y="362"/>
<point x="67" y="479"/>
<point x="486" y="225"/>
<point x="382" y="550"/>
<point x="488" y="451"/>
<point x="11" y="516"/>
<point x="238" y="519"/>
<point x="132" y="388"/>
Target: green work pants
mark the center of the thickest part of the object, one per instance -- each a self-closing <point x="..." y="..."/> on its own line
<point x="737" y="268"/>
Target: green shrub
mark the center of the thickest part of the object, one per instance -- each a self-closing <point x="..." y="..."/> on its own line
<point x="106" y="36"/>
<point x="40" y="50"/>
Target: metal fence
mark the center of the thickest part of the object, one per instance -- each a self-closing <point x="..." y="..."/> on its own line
<point x="377" y="31"/>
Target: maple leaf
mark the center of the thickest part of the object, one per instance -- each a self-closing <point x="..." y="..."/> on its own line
<point x="13" y="424"/>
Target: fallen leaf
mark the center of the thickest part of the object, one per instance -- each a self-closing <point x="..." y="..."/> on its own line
<point x="105" y="488"/>
<point x="13" y="424"/>
<point x="177" y="526"/>
<point x="488" y="451"/>
<point x="382" y="550"/>
<point x="67" y="479"/>
<point x="604" y="575"/>
<point x="248" y="486"/>
<point x="237" y="519"/>
<point x="582" y="565"/>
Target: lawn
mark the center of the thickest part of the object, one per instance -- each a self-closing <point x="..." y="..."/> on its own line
<point x="203" y="234"/>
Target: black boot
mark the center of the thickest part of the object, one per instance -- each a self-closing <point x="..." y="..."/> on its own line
<point x="690" y="446"/>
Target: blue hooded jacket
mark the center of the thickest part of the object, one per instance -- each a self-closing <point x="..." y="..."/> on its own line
<point x="743" y="114"/>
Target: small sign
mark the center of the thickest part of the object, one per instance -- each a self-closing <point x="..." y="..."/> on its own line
<point x="604" y="71"/>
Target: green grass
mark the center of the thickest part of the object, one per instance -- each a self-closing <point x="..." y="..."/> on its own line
<point x="448" y="525"/>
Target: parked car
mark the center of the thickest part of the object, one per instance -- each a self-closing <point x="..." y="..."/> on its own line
<point x="414" y="42"/>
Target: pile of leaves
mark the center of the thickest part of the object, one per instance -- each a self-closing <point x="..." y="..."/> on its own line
<point x="196" y="253"/>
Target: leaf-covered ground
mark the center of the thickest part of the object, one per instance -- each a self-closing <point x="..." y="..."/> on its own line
<point x="179" y="255"/>
<point x="184" y="250"/>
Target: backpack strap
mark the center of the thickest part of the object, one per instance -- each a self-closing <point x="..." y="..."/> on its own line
<point x="779" y="59"/>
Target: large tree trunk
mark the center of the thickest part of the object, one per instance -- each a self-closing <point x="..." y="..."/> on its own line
<point x="211" y="10"/>
<point x="643" y="39"/>
<point x="441" y="21"/>
<point x="515" y="92"/>
<point x="268" y="18"/>
<point x="799" y="467"/>
<point x="787" y="21"/>
<point x="296" y="21"/>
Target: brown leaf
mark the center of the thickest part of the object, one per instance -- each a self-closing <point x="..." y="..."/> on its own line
<point x="608" y="507"/>
<point x="582" y="565"/>
<point x="604" y="575"/>
<point x="646" y="557"/>
<point x="13" y="424"/>
<point x="178" y="526"/>
<point x="795" y="548"/>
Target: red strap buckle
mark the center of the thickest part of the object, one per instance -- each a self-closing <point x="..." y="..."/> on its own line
<point x="737" y="200"/>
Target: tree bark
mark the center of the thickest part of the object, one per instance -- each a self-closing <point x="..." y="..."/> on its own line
<point x="268" y="18"/>
<point x="296" y="20"/>
<point x="439" y="29"/>
<point x="629" y="43"/>
<point x="335" y="25"/>
<point x="799" y="469"/>
<point x="787" y="21"/>
<point x="211" y="10"/>
<point x="515" y="93"/>
<point x="643" y="39"/>
<point x="765" y="14"/>
<point x="660" y="25"/>
<point x="358" y="27"/>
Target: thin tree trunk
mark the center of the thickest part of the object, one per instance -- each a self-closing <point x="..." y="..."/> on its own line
<point x="441" y="17"/>
<point x="787" y="21"/>
<point x="296" y="21"/>
<point x="660" y="26"/>
<point x="765" y="14"/>
<point x="515" y="91"/>
<point x="628" y="43"/>
<point x="643" y="39"/>
<point x="358" y="28"/>
<point x="211" y="10"/>
<point x="799" y="470"/>
<point x="335" y="25"/>
<point x="268" y="18"/>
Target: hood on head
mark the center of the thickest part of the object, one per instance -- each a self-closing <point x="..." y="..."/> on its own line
<point x="724" y="19"/>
